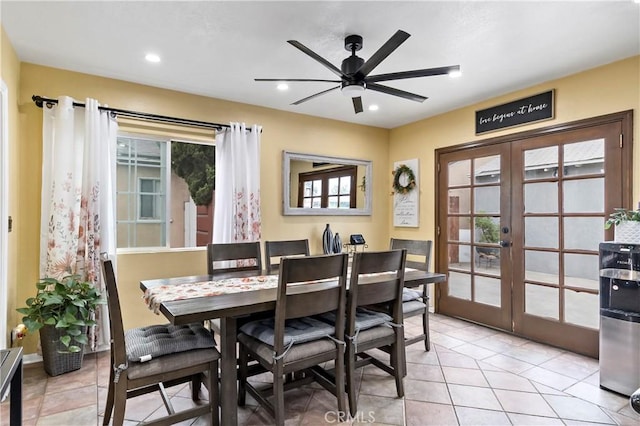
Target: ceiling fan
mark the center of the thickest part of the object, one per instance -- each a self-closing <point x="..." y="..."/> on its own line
<point x="354" y="73"/>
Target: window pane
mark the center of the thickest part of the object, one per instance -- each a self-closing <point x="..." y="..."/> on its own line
<point x="541" y="301"/>
<point x="345" y="184"/>
<point x="460" y="201"/>
<point x="459" y="229"/>
<point x="317" y="188"/>
<point x="541" y="232"/>
<point x="487" y="199"/>
<point x="581" y="308"/>
<point x="584" y="233"/>
<point x="459" y="173"/>
<point x="584" y="196"/>
<point x="581" y="270"/>
<point x="487" y="290"/>
<point x="583" y="158"/>
<point x="541" y="163"/>
<point x="460" y="285"/>
<point x="334" y="185"/>
<point x="345" y="201"/>
<point x="541" y="266"/>
<point x="487" y="169"/>
<point x="541" y="197"/>
<point x="460" y="257"/>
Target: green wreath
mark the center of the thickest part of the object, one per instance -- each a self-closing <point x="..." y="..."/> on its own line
<point x="398" y="188"/>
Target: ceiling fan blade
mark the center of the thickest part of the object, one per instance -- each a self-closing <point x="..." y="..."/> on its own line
<point x="392" y="44"/>
<point x="284" y="80"/>
<point x="314" y="96"/>
<point x="317" y="57"/>
<point x="357" y="104"/>
<point x="395" y="92"/>
<point x="428" y="72"/>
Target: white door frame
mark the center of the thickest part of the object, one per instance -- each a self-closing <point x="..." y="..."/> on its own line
<point x="4" y="211"/>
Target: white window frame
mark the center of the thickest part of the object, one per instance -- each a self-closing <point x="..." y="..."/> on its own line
<point x="156" y="199"/>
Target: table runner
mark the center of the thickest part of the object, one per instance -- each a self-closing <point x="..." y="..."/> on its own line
<point x="154" y="296"/>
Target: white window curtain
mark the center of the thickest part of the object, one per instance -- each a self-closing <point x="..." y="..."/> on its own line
<point x="78" y="197"/>
<point x="237" y="195"/>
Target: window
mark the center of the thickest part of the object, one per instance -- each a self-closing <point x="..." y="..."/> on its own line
<point x="155" y="179"/>
<point x="333" y="188"/>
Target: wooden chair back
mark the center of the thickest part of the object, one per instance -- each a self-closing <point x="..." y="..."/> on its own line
<point x="235" y="257"/>
<point x="118" y="347"/>
<point x="418" y="252"/>
<point x="277" y="249"/>
<point x="300" y="294"/>
<point x="384" y="289"/>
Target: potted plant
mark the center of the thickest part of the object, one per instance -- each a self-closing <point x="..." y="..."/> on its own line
<point x="61" y="311"/>
<point x="627" y="225"/>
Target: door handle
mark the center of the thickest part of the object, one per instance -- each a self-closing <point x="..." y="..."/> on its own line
<point x="505" y="243"/>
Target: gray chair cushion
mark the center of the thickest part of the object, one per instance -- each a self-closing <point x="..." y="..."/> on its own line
<point x="296" y="330"/>
<point x="295" y="353"/>
<point x="413" y="307"/>
<point x="409" y="294"/>
<point x="365" y="319"/>
<point x="146" y="343"/>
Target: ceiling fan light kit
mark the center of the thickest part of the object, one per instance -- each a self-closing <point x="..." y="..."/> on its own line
<point x="354" y="71"/>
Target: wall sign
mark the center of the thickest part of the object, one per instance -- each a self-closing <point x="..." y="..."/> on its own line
<point x="528" y="110"/>
<point x="406" y="193"/>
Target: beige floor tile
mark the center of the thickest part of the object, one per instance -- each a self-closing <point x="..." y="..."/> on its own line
<point x="572" y="365"/>
<point x="419" y="390"/>
<point x="454" y="359"/>
<point x="58" y="402"/>
<point x="509" y="381"/>
<point x="378" y="386"/>
<point x="597" y="396"/>
<point x="474" y="351"/>
<point x="527" y="420"/>
<point x="445" y="340"/>
<point x="420" y="413"/>
<point x="524" y="403"/>
<point x="549" y="378"/>
<point x="476" y="417"/>
<point x="464" y="376"/>
<point x="474" y="397"/>
<point x="85" y="416"/>
<point x="571" y="408"/>
<point x="508" y="363"/>
<point x="432" y="373"/>
<point x="380" y="410"/>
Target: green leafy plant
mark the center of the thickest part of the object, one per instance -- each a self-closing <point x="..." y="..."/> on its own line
<point x="489" y="230"/>
<point x="620" y="215"/>
<point x="67" y="305"/>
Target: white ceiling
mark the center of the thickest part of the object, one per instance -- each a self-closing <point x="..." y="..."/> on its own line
<point x="217" y="48"/>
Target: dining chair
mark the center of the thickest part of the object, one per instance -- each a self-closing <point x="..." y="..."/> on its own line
<point x="294" y="341"/>
<point x="225" y="258"/>
<point x="368" y="329"/>
<point x="149" y="359"/>
<point x="278" y="249"/>
<point x="416" y="302"/>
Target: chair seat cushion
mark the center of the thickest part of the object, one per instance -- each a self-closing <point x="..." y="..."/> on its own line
<point x="145" y="343"/>
<point x="321" y="348"/>
<point x="409" y="294"/>
<point x="297" y="330"/>
<point x="365" y="319"/>
<point x="413" y="307"/>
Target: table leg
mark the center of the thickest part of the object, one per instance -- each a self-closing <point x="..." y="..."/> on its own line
<point x="228" y="372"/>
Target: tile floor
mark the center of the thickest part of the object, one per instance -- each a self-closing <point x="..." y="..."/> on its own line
<point x="472" y="376"/>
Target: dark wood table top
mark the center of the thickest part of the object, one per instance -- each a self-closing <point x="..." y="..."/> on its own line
<point x="235" y="304"/>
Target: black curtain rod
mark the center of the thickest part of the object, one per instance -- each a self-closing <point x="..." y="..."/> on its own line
<point x="40" y="101"/>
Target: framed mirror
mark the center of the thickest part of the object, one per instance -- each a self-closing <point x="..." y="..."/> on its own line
<point x="322" y="185"/>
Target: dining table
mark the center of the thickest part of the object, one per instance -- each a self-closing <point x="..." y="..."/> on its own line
<point x="229" y="296"/>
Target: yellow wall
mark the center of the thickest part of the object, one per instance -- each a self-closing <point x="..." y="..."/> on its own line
<point x="599" y="91"/>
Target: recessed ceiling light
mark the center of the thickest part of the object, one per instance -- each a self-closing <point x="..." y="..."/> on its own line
<point x="152" y="57"/>
<point x="455" y="74"/>
<point x="283" y="86"/>
<point x="373" y="107"/>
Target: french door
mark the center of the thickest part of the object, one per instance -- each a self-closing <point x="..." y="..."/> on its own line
<point x="519" y="223"/>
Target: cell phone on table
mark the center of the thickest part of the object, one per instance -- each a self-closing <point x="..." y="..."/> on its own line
<point x="356" y="239"/>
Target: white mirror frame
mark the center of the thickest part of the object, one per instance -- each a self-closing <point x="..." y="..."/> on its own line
<point x="287" y="157"/>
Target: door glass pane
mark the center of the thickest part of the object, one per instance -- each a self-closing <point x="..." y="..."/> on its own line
<point x="459" y="257"/>
<point x="460" y="285"/>
<point x="541" y="163"/>
<point x="584" y="195"/>
<point x="584" y="158"/>
<point x="541" y="197"/>
<point x="541" y="266"/>
<point x="581" y="308"/>
<point x="541" y="301"/>
<point x="581" y="270"/>
<point x="487" y="229"/>
<point x="486" y="199"/>
<point x="334" y="184"/>
<point x="459" y="229"/>
<point x="487" y="260"/>
<point x="487" y="291"/>
<point x="541" y="232"/>
<point x="487" y="169"/>
<point x="584" y="233"/>
<point x="459" y="201"/>
<point x="459" y="173"/>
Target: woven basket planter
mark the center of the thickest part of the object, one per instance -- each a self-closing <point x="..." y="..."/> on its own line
<point x="55" y="361"/>
<point x="628" y="232"/>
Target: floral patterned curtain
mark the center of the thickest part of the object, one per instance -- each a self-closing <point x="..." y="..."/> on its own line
<point x="78" y="197"/>
<point x="237" y="194"/>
